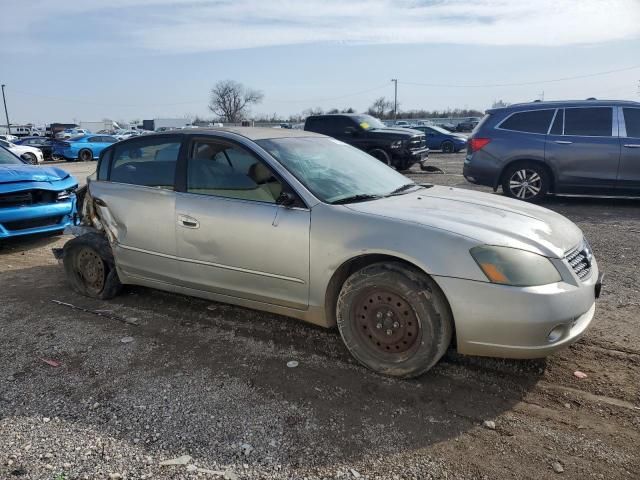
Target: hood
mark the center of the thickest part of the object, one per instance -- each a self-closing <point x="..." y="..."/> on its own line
<point x="399" y="133"/>
<point x="30" y="173"/>
<point x="490" y="219"/>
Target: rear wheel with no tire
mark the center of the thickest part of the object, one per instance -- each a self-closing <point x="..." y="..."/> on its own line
<point x="89" y="266"/>
<point x="394" y="319"/>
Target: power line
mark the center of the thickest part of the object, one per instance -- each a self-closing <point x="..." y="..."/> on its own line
<point x="517" y="84"/>
<point x="310" y="100"/>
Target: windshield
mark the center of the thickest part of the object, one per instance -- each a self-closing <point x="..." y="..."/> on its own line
<point x="333" y="170"/>
<point x="7" y="158"/>
<point x="367" y="122"/>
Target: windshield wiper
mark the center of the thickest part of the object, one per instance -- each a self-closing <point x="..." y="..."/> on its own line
<point x="401" y="189"/>
<point x="361" y="197"/>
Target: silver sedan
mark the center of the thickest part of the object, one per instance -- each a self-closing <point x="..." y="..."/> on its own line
<point x="306" y="226"/>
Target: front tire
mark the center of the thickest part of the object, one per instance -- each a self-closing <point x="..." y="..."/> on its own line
<point x="447" y="147"/>
<point x="394" y="319"/>
<point x="526" y="181"/>
<point x="31" y="158"/>
<point x="381" y="155"/>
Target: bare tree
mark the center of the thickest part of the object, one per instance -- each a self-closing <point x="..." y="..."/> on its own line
<point x="231" y="100"/>
<point x="380" y="107"/>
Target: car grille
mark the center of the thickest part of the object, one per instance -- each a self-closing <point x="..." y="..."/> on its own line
<point x="418" y="142"/>
<point x="27" y="197"/>
<point x="580" y="260"/>
<point x="32" y="223"/>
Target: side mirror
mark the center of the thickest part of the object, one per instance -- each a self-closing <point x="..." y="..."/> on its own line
<point x="286" y="199"/>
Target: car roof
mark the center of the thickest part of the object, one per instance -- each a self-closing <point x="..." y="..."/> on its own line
<point x="251" y="133"/>
<point x="565" y="103"/>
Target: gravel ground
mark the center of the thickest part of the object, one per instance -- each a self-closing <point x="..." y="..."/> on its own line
<point x="158" y="376"/>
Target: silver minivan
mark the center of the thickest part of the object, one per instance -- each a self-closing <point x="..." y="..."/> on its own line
<point x="589" y="147"/>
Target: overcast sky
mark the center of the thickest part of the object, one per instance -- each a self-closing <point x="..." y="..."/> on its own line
<point x="125" y="59"/>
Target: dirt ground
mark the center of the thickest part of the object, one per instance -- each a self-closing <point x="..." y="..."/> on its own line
<point x="158" y="376"/>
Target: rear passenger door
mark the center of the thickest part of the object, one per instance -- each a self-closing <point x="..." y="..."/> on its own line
<point x="583" y="149"/>
<point x="135" y="193"/>
<point x="233" y="237"/>
<point x="629" y="171"/>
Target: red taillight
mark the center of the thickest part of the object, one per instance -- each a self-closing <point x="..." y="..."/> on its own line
<point x="476" y="144"/>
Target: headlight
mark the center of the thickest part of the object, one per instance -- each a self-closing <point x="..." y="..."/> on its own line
<point x="511" y="266"/>
<point x="396" y="144"/>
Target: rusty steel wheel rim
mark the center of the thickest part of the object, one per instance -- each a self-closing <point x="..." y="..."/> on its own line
<point x="90" y="268"/>
<point x="386" y="323"/>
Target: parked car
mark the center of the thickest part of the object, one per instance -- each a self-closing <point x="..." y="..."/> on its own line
<point x="440" y="139"/>
<point x="71" y="132"/>
<point x="467" y="125"/>
<point x="83" y="147"/>
<point x="300" y="224"/>
<point x="30" y="154"/>
<point x="124" y="134"/>
<point x="450" y="127"/>
<point x="34" y="199"/>
<point x="8" y="138"/>
<point x="397" y="147"/>
<point x="572" y="147"/>
<point x="45" y="145"/>
<point x="402" y="124"/>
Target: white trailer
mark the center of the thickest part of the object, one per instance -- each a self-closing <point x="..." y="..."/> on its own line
<point x="95" y="127"/>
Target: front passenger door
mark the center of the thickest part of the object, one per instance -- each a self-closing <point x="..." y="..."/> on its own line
<point x="233" y="237"/>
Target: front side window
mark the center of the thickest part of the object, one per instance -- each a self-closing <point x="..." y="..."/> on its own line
<point x="333" y="170"/>
<point x="632" y="121"/>
<point x="146" y="162"/>
<point x="225" y="170"/>
<point x="536" y="121"/>
<point x="588" y="122"/>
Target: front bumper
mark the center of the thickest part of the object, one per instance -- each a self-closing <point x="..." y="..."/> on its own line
<point x="40" y="218"/>
<point x="516" y="322"/>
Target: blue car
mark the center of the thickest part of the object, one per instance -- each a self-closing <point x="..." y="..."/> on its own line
<point x="82" y="147"/>
<point x="34" y="199"/>
<point x="440" y="139"/>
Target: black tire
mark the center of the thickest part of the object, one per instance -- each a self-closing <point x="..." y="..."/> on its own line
<point x="447" y="147"/>
<point x="30" y="157"/>
<point x="90" y="268"/>
<point x="394" y="319"/>
<point x="527" y="181"/>
<point x="85" y="155"/>
<point x="381" y="155"/>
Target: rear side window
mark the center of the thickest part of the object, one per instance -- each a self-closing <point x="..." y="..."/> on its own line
<point x="146" y="162"/>
<point x="536" y="121"/>
<point x="632" y="121"/>
<point x="558" y="123"/>
<point x="103" y="164"/>
<point x="588" y="122"/>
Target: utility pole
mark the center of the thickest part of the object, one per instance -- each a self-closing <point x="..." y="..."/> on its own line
<point x="395" y="98"/>
<point x="6" y="114"/>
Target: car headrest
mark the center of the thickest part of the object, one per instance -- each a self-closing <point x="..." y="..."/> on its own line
<point x="260" y="173"/>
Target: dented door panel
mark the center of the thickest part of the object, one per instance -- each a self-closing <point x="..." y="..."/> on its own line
<point x="141" y="222"/>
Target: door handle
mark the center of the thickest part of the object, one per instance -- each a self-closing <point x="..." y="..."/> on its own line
<point x="563" y="142"/>
<point x="632" y="145"/>
<point x="188" y="222"/>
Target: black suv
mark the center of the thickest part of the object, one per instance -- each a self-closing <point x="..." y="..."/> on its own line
<point x="397" y="147"/>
